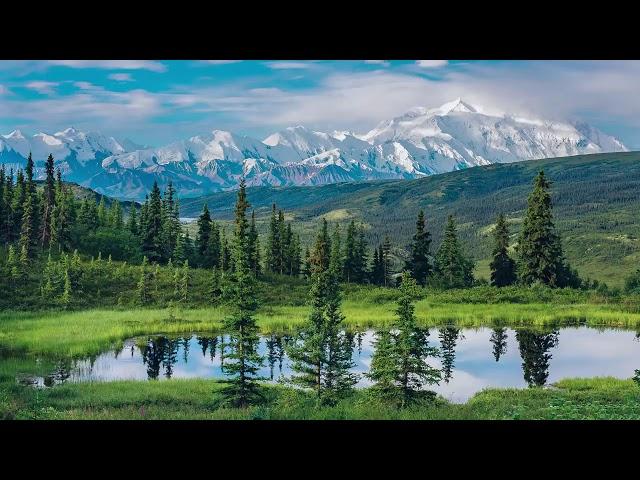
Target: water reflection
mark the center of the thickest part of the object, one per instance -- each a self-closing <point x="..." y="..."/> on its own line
<point x="534" y="349"/>
<point x="499" y="342"/>
<point x="448" y="340"/>
<point x="470" y="360"/>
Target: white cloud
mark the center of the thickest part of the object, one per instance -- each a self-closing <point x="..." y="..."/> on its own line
<point x="121" y="77"/>
<point x="288" y="65"/>
<point x="84" y="85"/>
<point x="384" y="63"/>
<point x="151" y="65"/>
<point x="431" y="63"/>
<point x="88" y="107"/>
<point x="42" y="87"/>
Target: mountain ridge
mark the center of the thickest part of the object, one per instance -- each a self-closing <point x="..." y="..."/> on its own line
<point x="421" y="142"/>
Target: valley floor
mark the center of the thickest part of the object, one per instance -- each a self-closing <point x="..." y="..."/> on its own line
<point x="597" y="398"/>
<point x="48" y="335"/>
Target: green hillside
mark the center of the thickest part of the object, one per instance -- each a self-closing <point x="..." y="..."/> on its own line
<point x="596" y="206"/>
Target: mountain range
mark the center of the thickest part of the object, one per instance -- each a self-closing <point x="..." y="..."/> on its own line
<point x="421" y="142"/>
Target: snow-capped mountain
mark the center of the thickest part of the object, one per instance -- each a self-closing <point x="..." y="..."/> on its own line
<point x="421" y="142"/>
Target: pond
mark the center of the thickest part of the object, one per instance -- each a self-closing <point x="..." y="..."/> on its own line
<point x="470" y="359"/>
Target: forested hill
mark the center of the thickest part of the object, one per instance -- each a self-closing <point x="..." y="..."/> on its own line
<point x="596" y="206"/>
<point x="81" y="193"/>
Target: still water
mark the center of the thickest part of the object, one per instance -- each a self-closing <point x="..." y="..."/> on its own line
<point x="470" y="359"/>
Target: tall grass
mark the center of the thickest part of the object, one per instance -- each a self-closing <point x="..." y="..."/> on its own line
<point x="92" y="331"/>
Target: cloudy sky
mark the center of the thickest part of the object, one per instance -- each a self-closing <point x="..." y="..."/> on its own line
<point x="157" y="102"/>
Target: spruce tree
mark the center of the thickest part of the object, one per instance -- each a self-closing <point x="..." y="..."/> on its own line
<point x="13" y="265"/>
<point x="274" y="243"/>
<point x="283" y="245"/>
<point x="243" y="360"/>
<point x="63" y="218"/>
<point x="202" y="237"/>
<point x="19" y="199"/>
<point x="503" y="268"/>
<point x="215" y="287"/>
<point x="103" y="217"/>
<point x="321" y="352"/>
<point x="48" y="204"/>
<point x="31" y="191"/>
<point x="386" y="262"/>
<point x="132" y="221"/>
<point x="26" y="229"/>
<point x="399" y="365"/>
<point x="65" y="299"/>
<point x="3" y="209"/>
<point x="350" y="253"/>
<point x="213" y="250"/>
<point x="8" y="220"/>
<point x="453" y="268"/>
<point x="419" y="263"/>
<point x="254" y="246"/>
<point x="539" y="252"/>
<point x="151" y="230"/>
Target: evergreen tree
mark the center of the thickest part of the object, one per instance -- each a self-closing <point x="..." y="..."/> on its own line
<point x="503" y="268"/>
<point x="151" y="230"/>
<point x="243" y="361"/>
<point x="67" y="292"/>
<point x="63" y="217"/>
<point x="132" y="222"/>
<point x="202" y="237"/>
<point x="26" y="230"/>
<point x="13" y="265"/>
<point x="254" y="246"/>
<point x="48" y="204"/>
<point x="171" y="219"/>
<point x="540" y="257"/>
<point x="215" y="287"/>
<point x="3" y="209"/>
<point x="321" y="352"/>
<point x="399" y="365"/>
<point x="213" y="251"/>
<point x="336" y="262"/>
<point x="8" y="217"/>
<point x="386" y="262"/>
<point x="274" y="244"/>
<point x="103" y="217"/>
<point x="419" y="263"/>
<point x="19" y="200"/>
<point x="30" y="191"/>
<point x="453" y="268"/>
<point x="115" y="217"/>
<point x="350" y="253"/>
<point x="284" y="243"/>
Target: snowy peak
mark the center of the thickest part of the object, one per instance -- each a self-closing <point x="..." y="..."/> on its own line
<point x="422" y="141"/>
<point x="456" y="105"/>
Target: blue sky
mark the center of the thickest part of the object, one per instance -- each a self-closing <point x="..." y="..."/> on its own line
<point x="157" y="102"/>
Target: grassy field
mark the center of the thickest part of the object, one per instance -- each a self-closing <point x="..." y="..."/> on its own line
<point x="599" y="398"/>
<point x="91" y="331"/>
<point x="52" y="335"/>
